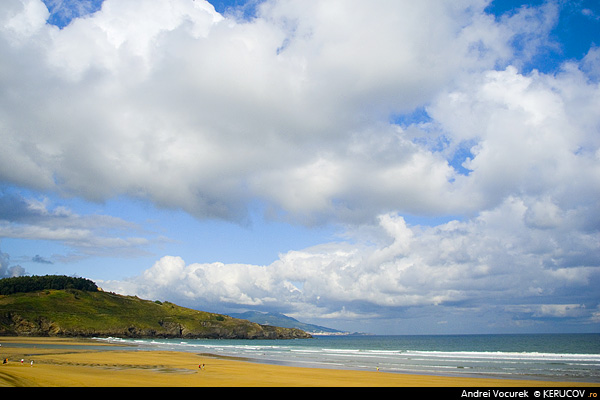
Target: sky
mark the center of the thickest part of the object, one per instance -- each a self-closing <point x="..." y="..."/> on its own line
<point x="390" y="167"/>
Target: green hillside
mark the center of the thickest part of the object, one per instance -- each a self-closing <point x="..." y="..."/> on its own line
<point x="73" y="313"/>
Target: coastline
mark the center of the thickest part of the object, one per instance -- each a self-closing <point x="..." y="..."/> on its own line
<point x="78" y="362"/>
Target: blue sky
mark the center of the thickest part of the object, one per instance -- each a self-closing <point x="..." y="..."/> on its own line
<point x="390" y="167"/>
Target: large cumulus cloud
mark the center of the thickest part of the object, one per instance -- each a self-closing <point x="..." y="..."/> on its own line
<point x="496" y="267"/>
<point x="174" y="103"/>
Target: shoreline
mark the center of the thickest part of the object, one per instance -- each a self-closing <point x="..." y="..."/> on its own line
<point x="83" y="362"/>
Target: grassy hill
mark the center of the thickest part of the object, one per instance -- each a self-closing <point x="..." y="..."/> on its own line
<point x="73" y="312"/>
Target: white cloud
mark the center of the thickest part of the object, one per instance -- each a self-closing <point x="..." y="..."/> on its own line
<point x="85" y="235"/>
<point x="492" y="260"/>
<point x="533" y="136"/>
<point x="553" y="310"/>
<point x="24" y="19"/>
<point x="192" y="110"/>
<point x="178" y="105"/>
<point x="7" y="271"/>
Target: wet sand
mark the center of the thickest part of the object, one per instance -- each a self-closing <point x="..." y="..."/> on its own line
<point x="67" y="364"/>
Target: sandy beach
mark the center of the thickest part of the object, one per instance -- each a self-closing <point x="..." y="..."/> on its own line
<point x="98" y="365"/>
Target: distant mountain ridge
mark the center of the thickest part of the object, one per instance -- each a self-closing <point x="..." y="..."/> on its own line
<point x="282" y="320"/>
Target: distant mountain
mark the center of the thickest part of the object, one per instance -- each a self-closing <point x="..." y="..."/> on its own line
<point x="277" y="319"/>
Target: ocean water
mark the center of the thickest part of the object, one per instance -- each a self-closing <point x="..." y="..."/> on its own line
<point x="564" y="357"/>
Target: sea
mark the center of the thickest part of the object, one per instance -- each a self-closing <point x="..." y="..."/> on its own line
<point x="555" y="357"/>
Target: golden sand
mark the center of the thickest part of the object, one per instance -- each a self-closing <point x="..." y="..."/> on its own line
<point x="101" y="366"/>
